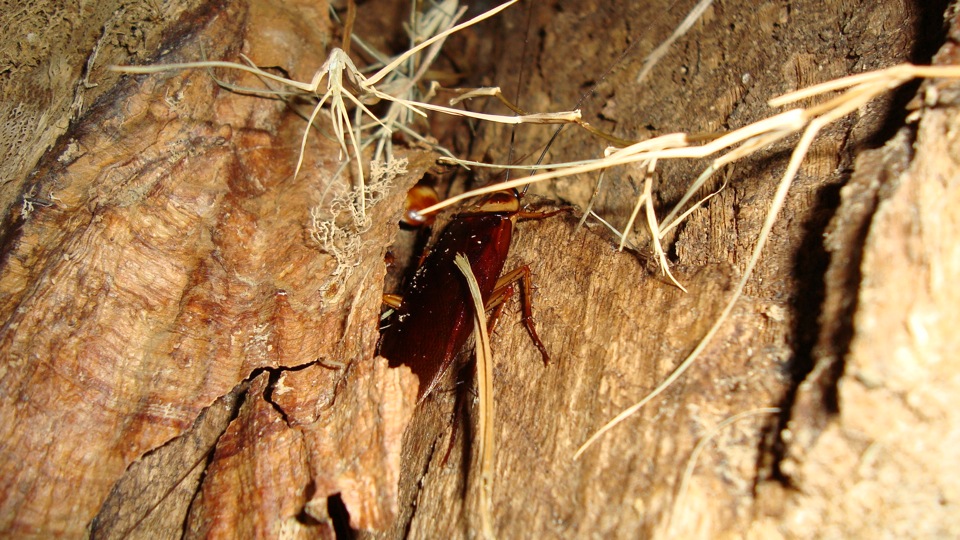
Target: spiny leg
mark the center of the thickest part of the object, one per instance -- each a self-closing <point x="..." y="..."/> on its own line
<point x="504" y="290"/>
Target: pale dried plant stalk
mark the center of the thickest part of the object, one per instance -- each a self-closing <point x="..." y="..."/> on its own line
<point x="692" y="17"/>
<point x="404" y="83"/>
<point x="485" y="397"/>
<point x="695" y="455"/>
<point x="857" y="90"/>
<point x="862" y="88"/>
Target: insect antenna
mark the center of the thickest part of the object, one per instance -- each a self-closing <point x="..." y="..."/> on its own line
<point x="519" y="89"/>
<point x="583" y="97"/>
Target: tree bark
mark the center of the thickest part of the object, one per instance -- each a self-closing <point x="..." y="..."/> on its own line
<point x="182" y="358"/>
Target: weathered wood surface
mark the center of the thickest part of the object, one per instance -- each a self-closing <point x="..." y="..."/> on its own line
<point x="173" y="264"/>
<point x="174" y="275"/>
<point x="886" y="461"/>
<point x="48" y="79"/>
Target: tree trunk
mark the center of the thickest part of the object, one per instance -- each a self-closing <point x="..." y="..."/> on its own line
<point x="181" y="357"/>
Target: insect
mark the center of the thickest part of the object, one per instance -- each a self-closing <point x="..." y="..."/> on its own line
<point x="434" y="319"/>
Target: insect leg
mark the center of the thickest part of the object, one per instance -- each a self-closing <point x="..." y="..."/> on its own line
<point x="525" y="215"/>
<point x="504" y="290"/>
<point x="497" y="301"/>
<point x="392" y="300"/>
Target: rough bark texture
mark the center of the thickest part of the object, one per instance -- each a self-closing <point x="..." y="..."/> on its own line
<point x="171" y="262"/>
<point x="885" y="463"/>
<point x="180" y="358"/>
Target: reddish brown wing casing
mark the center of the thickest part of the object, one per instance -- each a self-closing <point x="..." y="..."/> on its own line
<point x="436" y="316"/>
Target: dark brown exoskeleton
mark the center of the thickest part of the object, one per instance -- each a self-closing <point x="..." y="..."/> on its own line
<point x="435" y="317"/>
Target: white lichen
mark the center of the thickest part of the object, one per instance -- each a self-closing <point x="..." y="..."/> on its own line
<point x="338" y="226"/>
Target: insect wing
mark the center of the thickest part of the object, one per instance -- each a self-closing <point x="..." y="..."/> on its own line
<point x="434" y="321"/>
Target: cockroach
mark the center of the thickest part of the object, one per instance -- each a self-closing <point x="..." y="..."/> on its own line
<point x="434" y="319"/>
